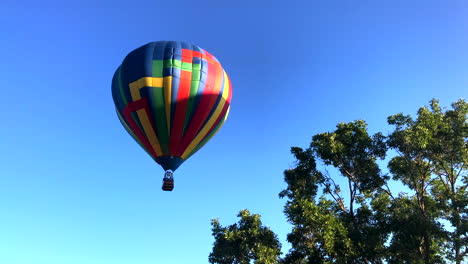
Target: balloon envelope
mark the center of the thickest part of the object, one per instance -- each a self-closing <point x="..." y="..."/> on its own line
<point x="171" y="97"/>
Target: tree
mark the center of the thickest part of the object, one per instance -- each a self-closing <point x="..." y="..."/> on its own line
<point x="433" y="157"/>
<point x="449" y="153"/>
<point x="328" y="230"/>
<point x="408" y="227"/>
<point x="245" y="241"/>
<point x="412" y="168"/>
<point x="364" y="222"/>
<point x="318" y="236"/>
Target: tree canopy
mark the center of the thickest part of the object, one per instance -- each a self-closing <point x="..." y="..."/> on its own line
<point x="244" y="241"/>
<point x="364" y="220"/>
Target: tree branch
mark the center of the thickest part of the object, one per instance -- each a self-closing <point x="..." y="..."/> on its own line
<point x="338" y="199"/>
<point x="461" y="169"/>
<point x="388" y="191"/>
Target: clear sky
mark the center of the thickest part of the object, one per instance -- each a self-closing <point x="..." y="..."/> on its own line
<point x="75" y="188"/>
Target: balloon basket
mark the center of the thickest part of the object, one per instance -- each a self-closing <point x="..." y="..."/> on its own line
<point x="168" y="182"/>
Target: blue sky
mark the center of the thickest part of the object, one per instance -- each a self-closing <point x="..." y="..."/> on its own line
<point x="75" y="188"/>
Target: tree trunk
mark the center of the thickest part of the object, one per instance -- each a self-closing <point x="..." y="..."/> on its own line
<point x="427" y="248"/>
<point x="457" y="238"/>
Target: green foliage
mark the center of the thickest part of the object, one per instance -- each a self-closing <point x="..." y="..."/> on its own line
<point x="245" y="241"/>
<point x="326" y="230"/>
<point x="318" y="235"/>
<point x="350" y="149"/>
<point x="303" y="178"/>
<point x="432" y="161"/>
<point x="360" y="220"/>
<point x="409" y="228"/>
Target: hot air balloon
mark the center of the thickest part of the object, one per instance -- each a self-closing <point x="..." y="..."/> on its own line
<point x="172" y="97"/>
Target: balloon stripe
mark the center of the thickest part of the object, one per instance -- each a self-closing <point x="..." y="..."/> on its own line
<point x="206" y="104"/>
<point x="221" y="119"/>
<point x="204" y="131"/>
<point x="218" y="124"/>
<point x="181" y="108"/>
<point x="204" y="59"/>
<point x="116" y="91"/>
<point x="157" y="68"/>
<point x="230" y="91"/>
<point x="142" y="82"/>
<point x="193" y="93"/>
<point x="218" y="100"/>
<point x="123" y="94"/>
<point x="167" y="101"/>
<point x="185" y="65"/>
<point x="142" y="108"/>
<point x="199" y="115"/>
<point x="158" y="107"/>
<point x="174" y="92"/>
<point x="204" y="141"/>
<point x="222" y="98"/>
<point x="119" y="81"/>
<point x="211" y="134"/>
<point x="158" y="112"/>
<point x="201" y="89"/>
<point x="218" y="88"/>
<point x="226" y="95"/>
<point x="131" y="122"/>
<point x="122" y="98"/>
<point x="214" y="119"/>
<point x="127" y="128"/>
<point x="143" y="115"/>
<point x="177" y="64"/>
<point x="173" y="57"/>
<point x="149" y="130"/>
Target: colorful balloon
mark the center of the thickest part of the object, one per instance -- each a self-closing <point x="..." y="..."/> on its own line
<point x="171" y="97"/>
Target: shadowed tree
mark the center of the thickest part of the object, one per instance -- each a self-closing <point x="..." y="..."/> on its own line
<point x="367" y="223"/>
<point x="354" y="152"/>
<point x="408" y="226"/>
<point x="331" y="230"/>
<point x="309" y="245"/>
<point x="433" y="160"/>
<point x="449" y="153"/>
<point x="243" y="242"/>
